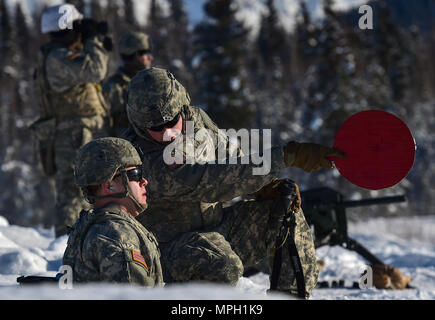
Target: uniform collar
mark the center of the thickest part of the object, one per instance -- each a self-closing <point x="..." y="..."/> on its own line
<point x="112" y="208"/>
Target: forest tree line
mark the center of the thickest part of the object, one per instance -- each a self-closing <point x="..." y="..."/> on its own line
<point x="301" y="84"/>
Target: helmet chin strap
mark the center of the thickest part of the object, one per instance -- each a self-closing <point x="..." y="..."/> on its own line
<point x="126" y="194"/>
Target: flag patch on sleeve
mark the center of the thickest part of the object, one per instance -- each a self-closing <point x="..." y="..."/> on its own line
<point x="139" y="258"/>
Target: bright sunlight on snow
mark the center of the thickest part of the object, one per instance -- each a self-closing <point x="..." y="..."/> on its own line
<point x="406" y="243"/>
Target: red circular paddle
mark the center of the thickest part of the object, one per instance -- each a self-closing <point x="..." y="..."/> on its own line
<point x="380" y="149"/>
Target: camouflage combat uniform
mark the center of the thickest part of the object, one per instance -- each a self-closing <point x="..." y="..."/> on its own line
<point x="111" y="246"/>
<point x="115" y="88"/>
<point x="108" y="243"/>
<point x="115" y="93"/>
<point x="70" y="82"/>
<point x="198" y="237"/>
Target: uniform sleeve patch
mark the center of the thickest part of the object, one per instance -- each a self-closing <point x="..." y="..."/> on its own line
<point x="139" y="258"/>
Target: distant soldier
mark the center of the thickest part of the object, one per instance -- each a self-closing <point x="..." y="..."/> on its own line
<point x="108" y="243"/>
<point x="199" y="237"/>
<point x="135" y="50"/>
<point x="73" y="111"/>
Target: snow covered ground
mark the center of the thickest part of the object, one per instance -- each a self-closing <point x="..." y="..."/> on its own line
<point x="406" y="243"/>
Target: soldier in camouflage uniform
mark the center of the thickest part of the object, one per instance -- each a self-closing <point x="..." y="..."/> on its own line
<point x="199" y="238"/>
<point x="135" y="50"/>
<point x="67" y="78"/>
<point x="108" y="243"/>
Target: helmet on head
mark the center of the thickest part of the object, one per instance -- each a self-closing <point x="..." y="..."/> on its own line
<point x="100" y="160"/>
<point x="60" y="17"/>
<point x="154" y="97"/>
<point x="132" y="42"/>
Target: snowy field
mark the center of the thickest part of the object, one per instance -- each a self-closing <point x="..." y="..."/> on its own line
<point x="406" y="243"/>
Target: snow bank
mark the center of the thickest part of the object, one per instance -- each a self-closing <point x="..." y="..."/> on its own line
<point x="407" y="243"/>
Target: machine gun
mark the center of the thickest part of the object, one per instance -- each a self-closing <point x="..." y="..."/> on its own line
<point x="28" y="280"/>
<point x="325" y="210"/>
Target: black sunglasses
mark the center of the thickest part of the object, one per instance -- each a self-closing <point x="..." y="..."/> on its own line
<point x="134" y="174"/>
<point x="168" y="124"/>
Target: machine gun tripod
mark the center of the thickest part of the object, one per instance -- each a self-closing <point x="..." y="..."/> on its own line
<point x="325" y="210"/>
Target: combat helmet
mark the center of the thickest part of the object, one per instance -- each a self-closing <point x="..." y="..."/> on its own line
<point x="132" y="42"/>
<point x="154" y="97"/>
<point x="100" y="160"/>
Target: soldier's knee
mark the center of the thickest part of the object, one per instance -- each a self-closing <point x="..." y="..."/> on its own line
<point x="202" y="256"/>
<point x="231" y="270"/>
<point x="225" y="265"/>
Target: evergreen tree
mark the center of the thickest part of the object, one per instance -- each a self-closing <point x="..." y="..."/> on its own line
<point x="157" y="29"/>
<point x="330" y="88"/>
<point x="8" y="75"/>
<point x="273" y="43"/>
<point x="331" y="91"/>
<point x="394" y="50"/>
<point x="16" y="111"/>
<point x="273" y="98"/>
<point x="117" y="27"/>
<point x="97" y="11"/>
<point x="179" y="45"/>
<point x="118" y="21"/>
<point x="306" y="43"/>
<point x="79" y="4"/>
<point x="130" y="17"/>
<point x="24" y="41"/>
<point x="6" y="30"/>
<point x="375" y="85"/>
<point x="220" y="74"/>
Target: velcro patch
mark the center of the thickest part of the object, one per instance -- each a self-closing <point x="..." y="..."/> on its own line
<point x="139" y="258"/>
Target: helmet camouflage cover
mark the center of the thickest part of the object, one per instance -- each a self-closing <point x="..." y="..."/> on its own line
<point x="132" y="42"/>
<point x="99" y="160"/>
<point x="154" y="97"/>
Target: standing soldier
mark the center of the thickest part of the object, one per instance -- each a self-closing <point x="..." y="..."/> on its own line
<point x="135" y="50"/>
<point x="108" y="243"/>
<point x="73" y="112"/>
<point x="198" y="237"/>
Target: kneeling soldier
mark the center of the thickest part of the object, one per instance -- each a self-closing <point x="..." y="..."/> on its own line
<point x="107" y="243"/>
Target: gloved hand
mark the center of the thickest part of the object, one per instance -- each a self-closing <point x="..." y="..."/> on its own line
<point x="103" y="28"/>
<point x="280" y="188"/>
<point x="91" y="28"/>
<point x="108" y="43"/>
<point x="310" y="156"/>
<point x="388" y="277"/>
<point x="88" y="28"/>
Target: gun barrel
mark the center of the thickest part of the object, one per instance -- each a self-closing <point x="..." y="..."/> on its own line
<point x="374" y="201"/>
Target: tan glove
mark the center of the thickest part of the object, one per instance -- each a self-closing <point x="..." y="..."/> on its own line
<point x="310" y="156"/>
<point x="269" y="191"/>
<point x="388" y="277"/>
<point x="278" y="188"/>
